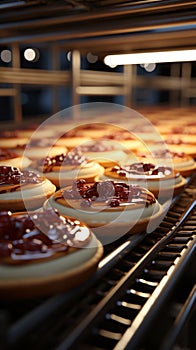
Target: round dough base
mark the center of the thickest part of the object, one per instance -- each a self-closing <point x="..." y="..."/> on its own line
<point x="50" y="277"/>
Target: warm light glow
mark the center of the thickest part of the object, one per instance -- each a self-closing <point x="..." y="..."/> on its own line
<point x="149" y="67"/>
<point x="69" y="56"/>
<point x="6" y="56"/>
<point x="91" y="58"/>
<point x="151" y="57"/>
<point x="31" y="55"/>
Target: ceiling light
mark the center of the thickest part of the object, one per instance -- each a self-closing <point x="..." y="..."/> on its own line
<point x="31" y="55"/>
<point x="6" y="56"/>
<point x="151" y="57"/>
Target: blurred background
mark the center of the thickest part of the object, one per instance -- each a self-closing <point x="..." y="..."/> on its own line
<point x="52" y="55"/>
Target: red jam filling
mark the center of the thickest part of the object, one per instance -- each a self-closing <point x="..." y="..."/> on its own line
<point x="13" y="176"/>
<point x="142" y="169"/>
<point x="113" y="194"/>
<point x="75" y="158"/>
<point x="39" y="235"/>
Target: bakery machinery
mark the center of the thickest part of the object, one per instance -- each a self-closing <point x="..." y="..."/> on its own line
<point x="142" y="294"/>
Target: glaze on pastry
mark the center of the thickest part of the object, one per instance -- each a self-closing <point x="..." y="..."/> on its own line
<point x="23" y="189"/>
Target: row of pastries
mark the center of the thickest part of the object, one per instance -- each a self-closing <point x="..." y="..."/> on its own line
<point x="64" y="188"/>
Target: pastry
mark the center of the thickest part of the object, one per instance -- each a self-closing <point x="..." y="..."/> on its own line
<point x="163" y="181"/>
<point x="93" y="130"/>
<point x="23" y="189"/>
<point x="64" y="169"/>
<point x="71" y="139"/>
<point x="40" y="148"/>
<point x="178" y="145"/>
<point x="42" y="253"/>
<point x="181" y="162"/>
<point x="110" y="208"/>
<point x="11" y="158"/>
<point x="125" y="139"/>
<point x="11" y="140"/>
<point x="106" y="153"/>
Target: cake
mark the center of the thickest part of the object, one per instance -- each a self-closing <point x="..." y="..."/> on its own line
<point x="43" y="253"/>
<point x="110" y="208"/>
<point x="23" y="189"/>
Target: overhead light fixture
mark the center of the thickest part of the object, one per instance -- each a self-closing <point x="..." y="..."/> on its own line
<point x="6" y="56"/>
<point x="151" y="57"/>
<point x="31" y="55"/>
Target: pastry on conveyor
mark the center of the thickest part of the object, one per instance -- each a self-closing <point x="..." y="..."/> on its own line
<point x="109" y="208"/>
<point x="40" y="148"/>
<point x="181" y="162"/>
<point x="105" y="152"/>
<point x="43" y="252"/>
<point x="161" y="180"/>
<point x="64" y="169"/>
<point x="11" y="158"/>
<point x="71" y="139"/>
<point x="23" y="189"/>
<point x="11" y="139"/>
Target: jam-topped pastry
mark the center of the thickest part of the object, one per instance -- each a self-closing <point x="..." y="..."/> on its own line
<point x="71" y="159"/>
<point x="92" y="130"/>
<point x="124" y="138"/>
<point x="39" y="148"/>
<point x="43" y="253"/>
<point x="105" y="152"/>
<point x="71" y="139"/>
<point x="9" y="157"/>
<point x="161" y="180"/>
<point x="64" y="169"/>
<point x="11" y="139"/>
<point x="27" y="238"/>
<point x="108" y="206"/>
<point x="182" y="143"/>
<point x="181" y="162"/>
<point x="23" y="189"/>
